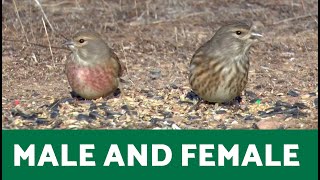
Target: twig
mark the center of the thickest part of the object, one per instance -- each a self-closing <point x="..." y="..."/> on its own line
<point x="44" y="14"/>
<point x="63" y="3"/>
<point x="45" y="29"/>
<point x="63" y="36"/>
<point x="35" y="44"/>
<point x="295" y="18"/>
<point x="16" y="10"/>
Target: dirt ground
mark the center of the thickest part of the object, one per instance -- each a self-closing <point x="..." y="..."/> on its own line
<point x="156" y="39"/>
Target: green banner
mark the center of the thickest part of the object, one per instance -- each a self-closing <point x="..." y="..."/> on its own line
<point x="159" y="154"/>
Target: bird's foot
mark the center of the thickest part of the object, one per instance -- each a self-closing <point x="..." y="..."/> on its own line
<point x="76" y="96"/>
<point x="196" y="106"/>
<point x="117" y="93"/>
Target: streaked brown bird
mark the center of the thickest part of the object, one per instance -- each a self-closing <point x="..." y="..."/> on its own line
<point x="219" y="68"/>
<point x="93" y="69"/>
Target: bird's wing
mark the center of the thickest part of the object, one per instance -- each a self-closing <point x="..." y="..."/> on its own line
<point x="122" y="68"/>
<point x="201" y="54"/>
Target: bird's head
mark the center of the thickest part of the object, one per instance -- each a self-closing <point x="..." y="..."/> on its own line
<point x="88" y="46"/>
<point x="237" y="36"/>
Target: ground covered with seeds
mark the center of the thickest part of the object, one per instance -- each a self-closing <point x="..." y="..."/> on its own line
<point x="156" y="40"/>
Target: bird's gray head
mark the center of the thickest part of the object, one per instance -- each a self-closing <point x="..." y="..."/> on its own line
<point x="88" y="46"/>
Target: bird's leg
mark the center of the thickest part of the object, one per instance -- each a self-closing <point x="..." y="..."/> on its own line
<point x="117" y="92"/>
<point x="216" y="106"/>
<point x="196" y="106"/>
<point x="79" y="99"/>
<point x="76" y="96"/>
<point x="236" y="102"/>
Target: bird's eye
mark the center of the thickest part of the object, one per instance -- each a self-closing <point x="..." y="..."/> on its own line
<point x="81" y="41"/>
<point x="238" y="32"/>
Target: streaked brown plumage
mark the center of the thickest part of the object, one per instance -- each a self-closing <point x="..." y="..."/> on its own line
<point x="92" y="69"/>
<point x="219" y="68"/>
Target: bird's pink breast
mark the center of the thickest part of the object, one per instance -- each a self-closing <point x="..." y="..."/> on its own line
<point x="91" y="81"/>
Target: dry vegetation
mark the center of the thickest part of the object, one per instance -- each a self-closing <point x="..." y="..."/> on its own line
<point x="155" y="39"/>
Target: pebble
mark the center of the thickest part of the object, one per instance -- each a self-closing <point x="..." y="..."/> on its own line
<point x="84" y="117"/>
<point x="68" y="100"/>
<point x="295" y="112"/>
<point x="41" y="120"/>
<point x="315" y="102"/>
<point x="155" y="74"/>
<point x="173" y="86"/>
<point x="253" y="100"/>
<point x="174" y="126"/>
<point x="221" y="112"/>
<point x="149" y="95"/>
<point x="54" y="114"/>
<point x="166" y="122"/>
<point x="281" y="103"/>
<point x="29" y="116"/>
<point x="218" y="117"/>
<point x="312" y="94"/>
<point x="293" y="93"/>
<point x="263" y="114"/>
<point x="305" y="96"/>
<point x="103" y="106"/>
<point x="300" y="105"/>
<point x="94" y="114"/>
<point x="70" y="122"/>
<point x="251" y="95"/>
<point x="155" y="120"/>
<point x="249" y="118"/>
<point x="93" y="106"/>
<point x="244" y="107"/>
<point x="109" y="117"/>
<point x="75" y="114"/>
<point x="167" y="114"/>
<point x="35" y="94"/>
<point x="234" y="122"/>
<point x="254" y="126"/>
<point x="222" y="126"/>
<point x="16" y="112"/>
<point x="125" y="107"/>
<point x="185" y="102"/>
<point x="258" y="87"/>
<point x="238" y="116"/>
<point x="268" y="124"/>
<point x="158" y="97"/>
<point x="191" y="118"/>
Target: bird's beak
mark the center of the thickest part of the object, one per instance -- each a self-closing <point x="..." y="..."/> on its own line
<point x="255" y="35"/>
<point x="68" y="43"/>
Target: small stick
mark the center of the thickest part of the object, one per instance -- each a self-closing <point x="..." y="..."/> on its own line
<point x="35" y="44"/>
<point x="16" y="10"/>
<point x="45" y="29"/>
<point x="44" y="14"/>
<point x="294" y="18"/>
